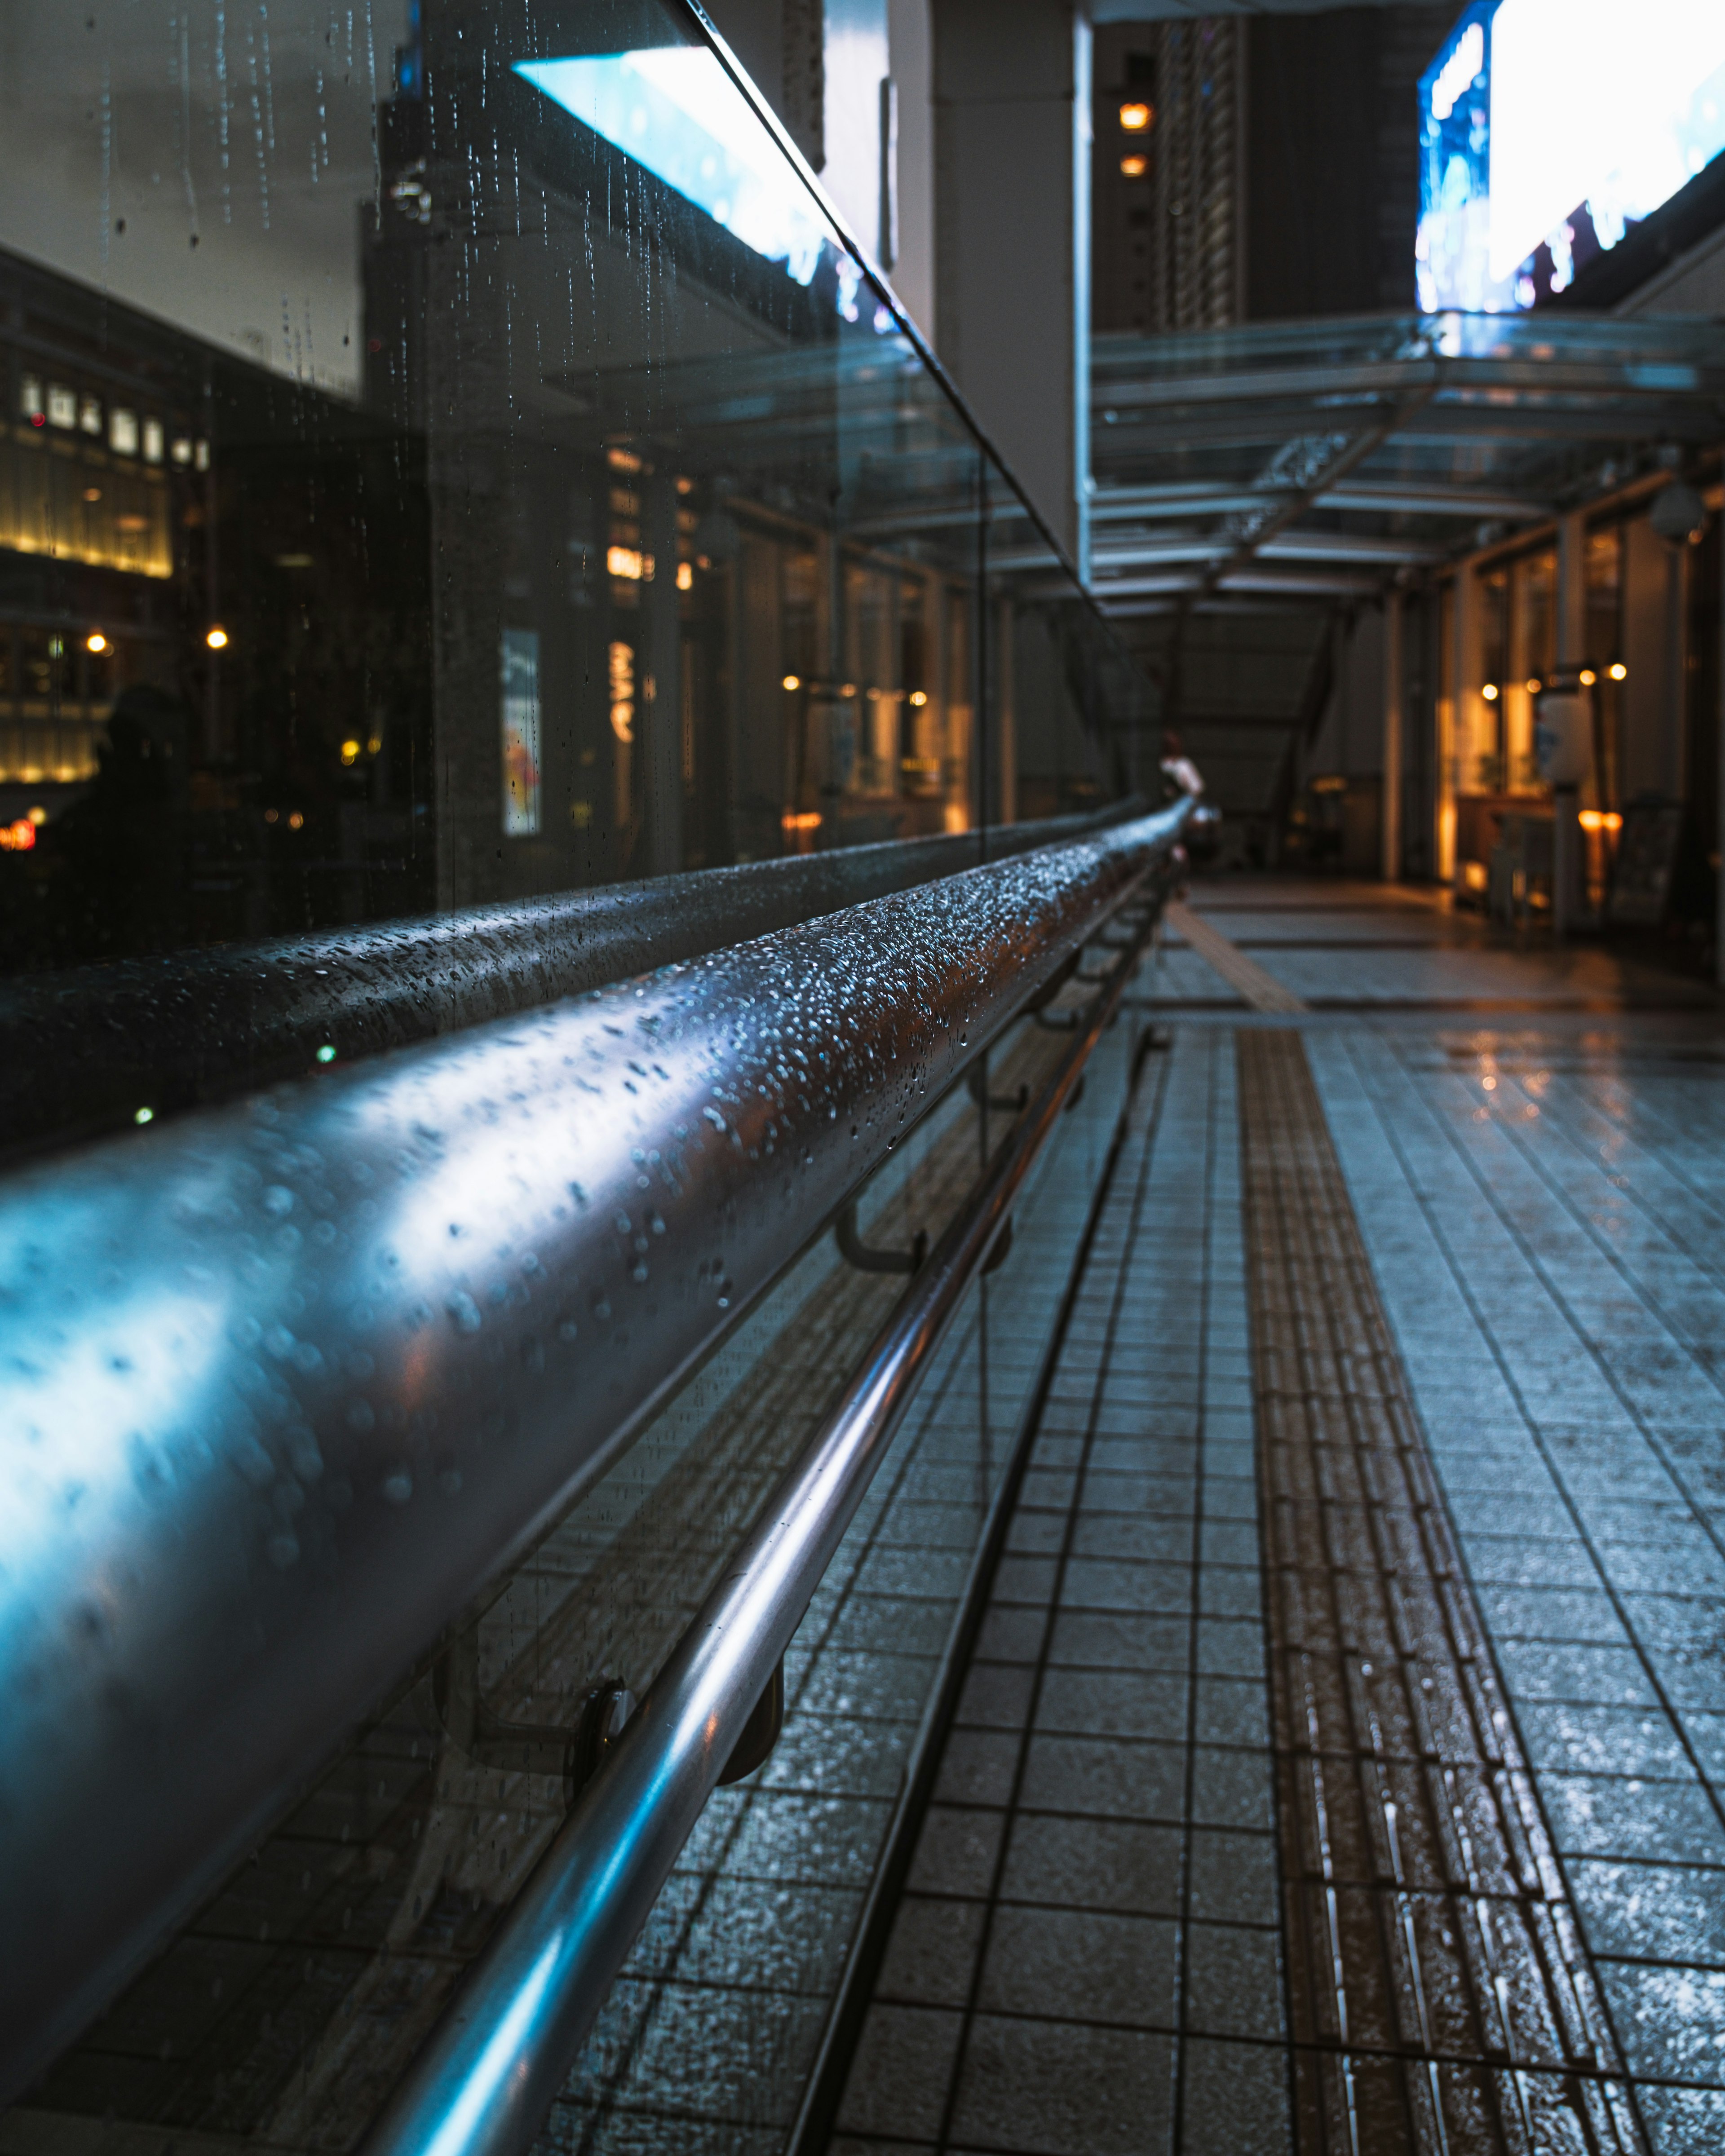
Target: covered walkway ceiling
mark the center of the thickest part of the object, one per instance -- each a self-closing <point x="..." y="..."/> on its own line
<point x="1316" y="461"/>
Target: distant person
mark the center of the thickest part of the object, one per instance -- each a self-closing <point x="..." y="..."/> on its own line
<point x="118" y="854"/>
<point x="1178" y="768"/>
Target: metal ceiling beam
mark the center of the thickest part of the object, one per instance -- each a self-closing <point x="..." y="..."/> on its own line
<point x="1295" y="504"/>
<point x="1120" y="505"/>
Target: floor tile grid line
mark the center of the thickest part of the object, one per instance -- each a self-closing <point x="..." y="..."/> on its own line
<point x="1637" y="1286"/>
<point x="1218" y="1051"/>
<point x="1519" y="1133"/>
<point x="1568" y="1108"/>
<point x="1675" y="1140"/>
<point x="600" y="2115"/>
<point x="943" y="2139"/>
<point x="1423" y="1198"/>
<point x="1303" y="1217"/>
<point x="1531" y="1423"/>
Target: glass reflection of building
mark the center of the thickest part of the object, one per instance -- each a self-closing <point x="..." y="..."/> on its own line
<point x="634" y="536"/>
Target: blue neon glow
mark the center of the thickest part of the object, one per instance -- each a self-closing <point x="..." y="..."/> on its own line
<point x="1548" y="128"/>
<point x="675" y="109"/>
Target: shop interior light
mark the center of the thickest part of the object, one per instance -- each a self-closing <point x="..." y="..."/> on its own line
<point x="919" y="697"/>
<point x="1489" y="692"/>
<point x="1599" y="819"/>
<point x="792" y="681"/>
<point x="96" y="641"/>
<point x="1588" y="677"/>
<point x="1136" y="117"/>
<point x="1134" y="168"/>
<point x="217" y="638"/>
<point x="1619" y="672"/>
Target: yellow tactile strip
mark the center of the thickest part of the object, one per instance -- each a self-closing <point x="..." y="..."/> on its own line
<point x="1440" y="1998"/>
<point x="1247" y="978"/>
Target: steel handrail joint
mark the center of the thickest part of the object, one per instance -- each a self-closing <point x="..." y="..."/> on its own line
<point x="289" y="1382"/>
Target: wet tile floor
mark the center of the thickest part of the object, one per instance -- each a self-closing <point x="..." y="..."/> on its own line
<point x="1092" y="1955"/>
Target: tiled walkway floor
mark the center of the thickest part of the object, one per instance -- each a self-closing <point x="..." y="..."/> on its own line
<point x="1534" y="1148"/>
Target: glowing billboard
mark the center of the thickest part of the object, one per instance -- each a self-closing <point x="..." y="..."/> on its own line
<point x="675" y="109"/>
<point x="1547" y="129"/>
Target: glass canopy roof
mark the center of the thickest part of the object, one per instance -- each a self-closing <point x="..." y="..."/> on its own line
<point x="1324" y="458"/>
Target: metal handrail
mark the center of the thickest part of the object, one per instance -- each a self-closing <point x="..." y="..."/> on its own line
<point x="191" y="1028"/>
<point x="290" y="1381"/>
<point x="484" y="2082"/>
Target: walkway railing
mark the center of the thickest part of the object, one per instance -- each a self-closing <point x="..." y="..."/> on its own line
<point x="291" y="1381"/>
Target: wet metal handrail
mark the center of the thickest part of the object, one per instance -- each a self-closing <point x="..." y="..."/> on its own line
<point x="484" y="2082"/>
<point x="290" y="1383"/>
<point x="188" y="1029"/>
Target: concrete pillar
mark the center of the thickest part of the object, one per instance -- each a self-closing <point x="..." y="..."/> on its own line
<point x="1572" y="592"/>
<point x="1719" y="828"/>
<point x="662" y="708"/>
<point x="1012" y="238"/>
<point x="1567" y="899"/>
<point x="1455" y="739"/>
<point x="1389" y="824"/>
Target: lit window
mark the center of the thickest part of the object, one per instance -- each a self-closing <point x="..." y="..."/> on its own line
<point x="1136" y="117"/>
<point x="200" y="456"/>
<point x="153" y="438"/>
<point x="182" y="450"/>
<point x="1134" y="168"/>
<point x="30" y="405"/>
<point x="622" y="673"/>
<point x="623" y="461"/>
<point x="628" y="562"/>
<point x="62" y="406"/>
<point x="89" y="414"/>
<point x="685" y="576"/>
<point x="123" y="432"/>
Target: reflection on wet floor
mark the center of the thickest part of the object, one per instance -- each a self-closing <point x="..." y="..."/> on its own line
<point x="1417" y="1314"/>
<point x="1489" y="1334"/>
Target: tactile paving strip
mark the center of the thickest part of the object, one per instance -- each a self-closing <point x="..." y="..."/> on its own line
<point x="1440" y="1998"/>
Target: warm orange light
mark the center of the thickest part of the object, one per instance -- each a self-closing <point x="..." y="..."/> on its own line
<point x="38" y="816"/>
<point x="919" y="697"/>
<point x="1135" y="117"/>
<point x="1534" y="684"/>
<point x="1619" y="672"/>
<point x="350" y="752"/>
<point x="685" y="576"/>
<point x="96" y="641"/>
<point x="217" y="639"/>
<point x="1587" y="677"/>
<point x="1489" y="692"/>
<point x="629" y="563"/>
<point x="17" y="838"/>
<point x="1134" y="168"/>
<point x="1600" y="819"/>
<point x="793" y="682"/>
<point x="808" y="820"/>
<point x="296" y="822"/>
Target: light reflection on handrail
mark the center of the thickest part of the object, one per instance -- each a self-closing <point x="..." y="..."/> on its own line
<point x="492" y="2070"/>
